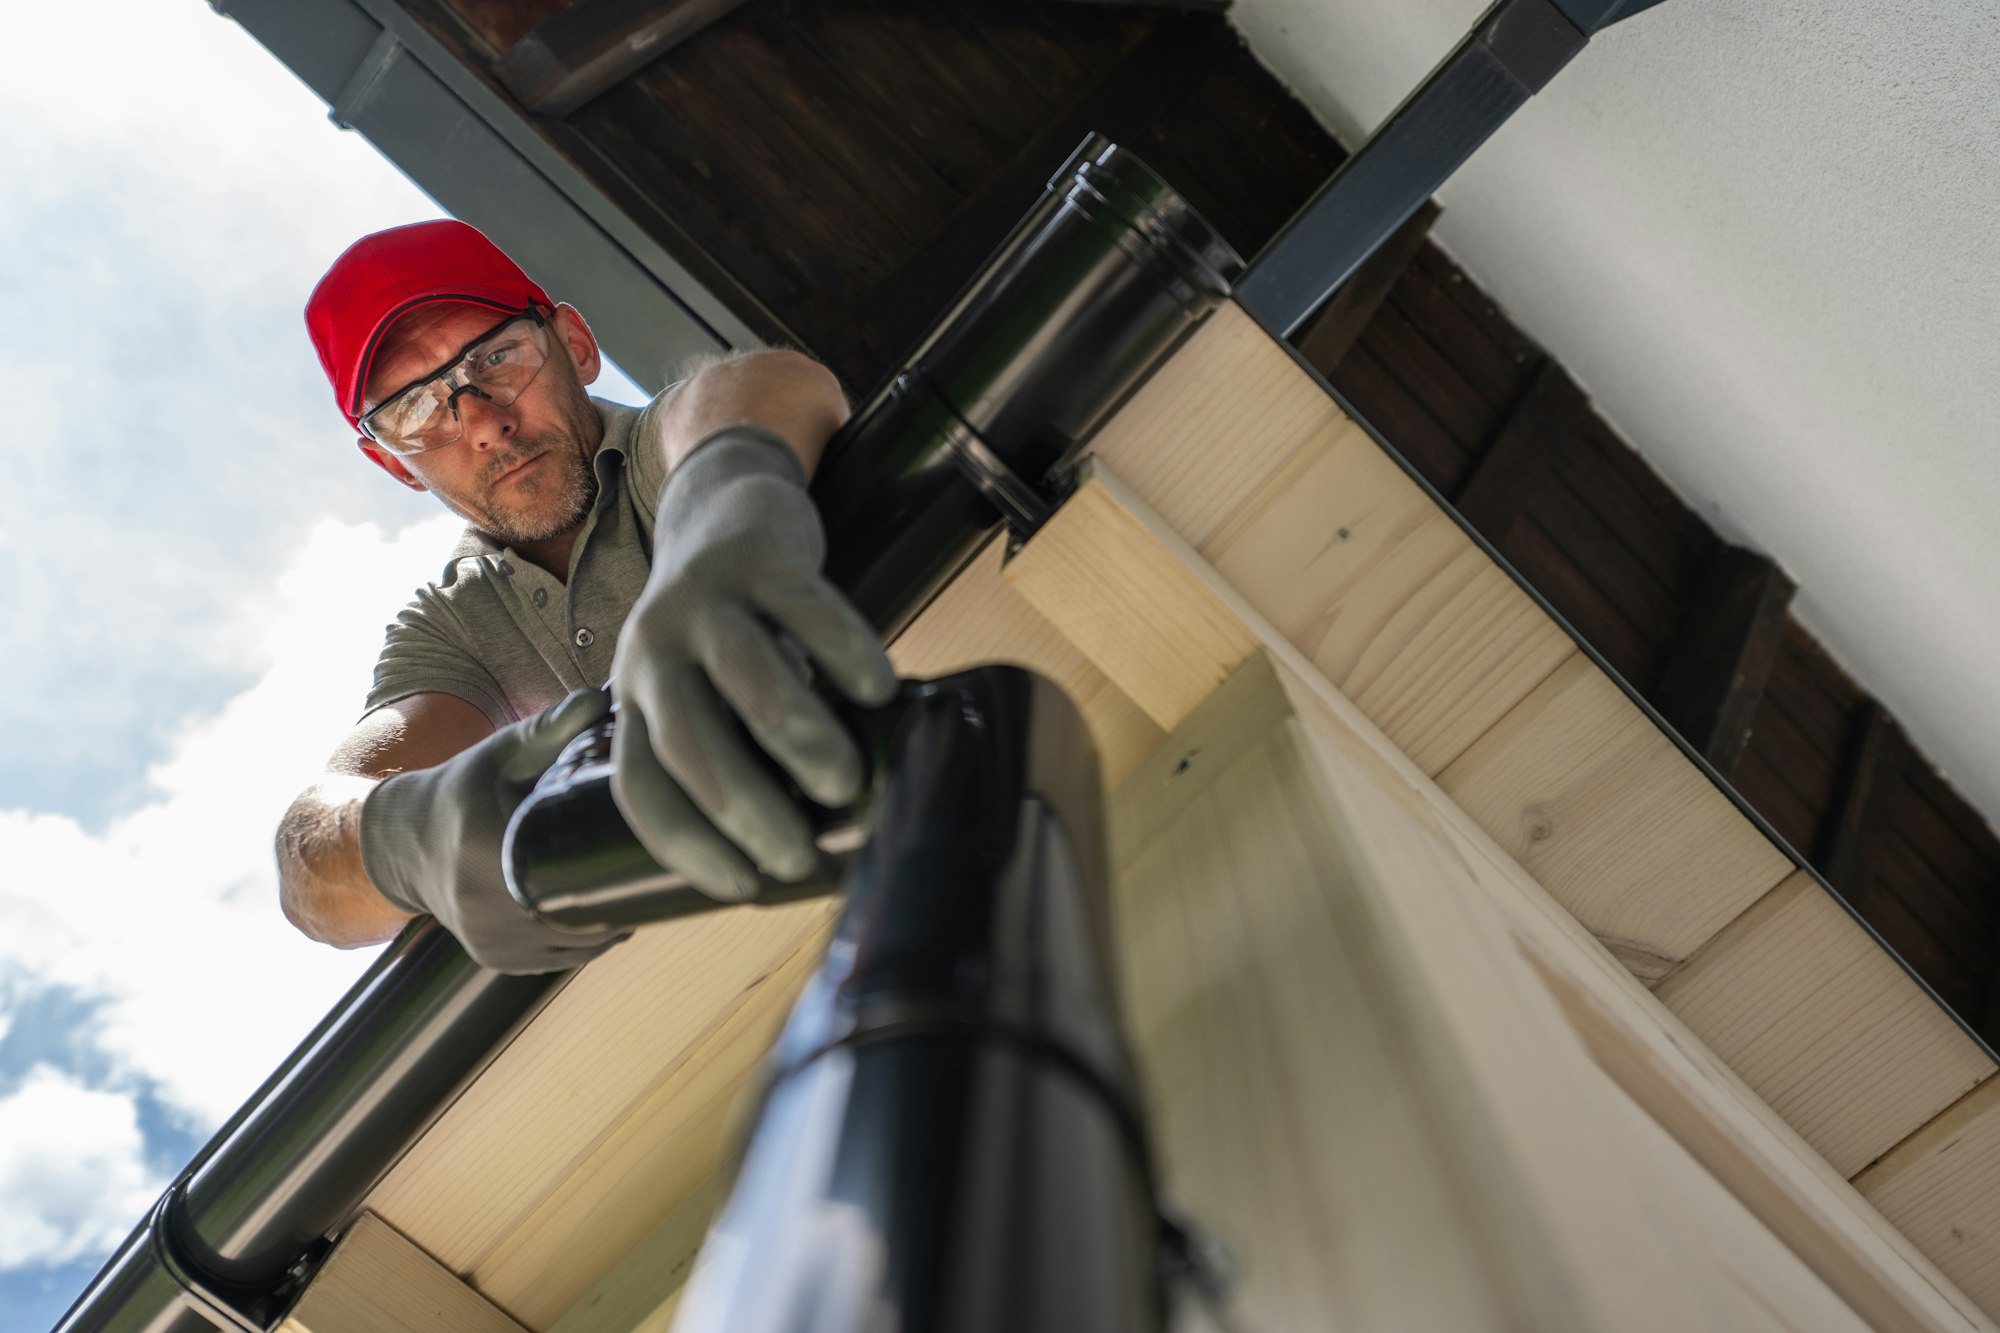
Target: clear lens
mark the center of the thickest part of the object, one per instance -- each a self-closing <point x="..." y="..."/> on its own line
<point x="425" y="416"/>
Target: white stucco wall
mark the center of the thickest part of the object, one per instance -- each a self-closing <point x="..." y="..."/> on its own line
<point x="1765" y="237"/>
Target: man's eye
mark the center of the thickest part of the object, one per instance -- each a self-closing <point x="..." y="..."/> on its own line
<point x="494" y="357"/>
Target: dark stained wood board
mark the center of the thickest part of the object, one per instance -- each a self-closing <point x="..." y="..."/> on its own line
<point x="1662" y="535"/>
<point x="1430" y="375"/>
<point x="1549" y="566"/>
<point x="1591" y="542"/>
<point x="1387" y="405"/>
<point x="1781" y="769"/>
<point x="1794" y="817"/>
<point x="501" y="23"/>
<point x="1442" y="304"/>
<point x="1163" y="68"/>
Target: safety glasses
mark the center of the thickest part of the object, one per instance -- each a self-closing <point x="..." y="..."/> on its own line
<point x="499" y="365"/>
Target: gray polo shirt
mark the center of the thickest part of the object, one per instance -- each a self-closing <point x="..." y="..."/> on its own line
<point x="510" y="638"/>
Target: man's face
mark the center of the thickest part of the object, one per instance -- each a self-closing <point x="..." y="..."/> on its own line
<point x="522" y="472"/>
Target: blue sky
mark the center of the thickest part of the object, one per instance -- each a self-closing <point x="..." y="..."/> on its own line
<point x="195" y="567"/>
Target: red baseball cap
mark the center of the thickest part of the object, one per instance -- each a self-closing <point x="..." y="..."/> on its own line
<point x="385" y="275"/>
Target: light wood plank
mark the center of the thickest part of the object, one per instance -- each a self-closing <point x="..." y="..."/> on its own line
<point x="1651" y="1054"/>
<point x="1942" y="1187"/>
<point x="660" y="1156"/>
<point x="1715" y="1116"/>
<point x="1207" y="430"/>
<point x="1168" y="643"/>
<point x="375" y="1281"/>
<point x="642" y="1292"/>
<point x="978" y="621"/>
<point x="598" y="1052"/>
<point x="1823" y="1024"/>
<point x="1369" y="1101"/>
<point x="1766" y="1286"/>
<point x="1597" y="804"/>
<point x="1361" y="569"/>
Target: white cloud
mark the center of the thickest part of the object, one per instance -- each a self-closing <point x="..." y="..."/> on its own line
<point x="170" y="199"/>
<point x="72" y="1170"/>
<point x="170" y="915"/>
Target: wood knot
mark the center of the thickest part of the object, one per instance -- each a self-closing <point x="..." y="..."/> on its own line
<point x="1537" y="824"/>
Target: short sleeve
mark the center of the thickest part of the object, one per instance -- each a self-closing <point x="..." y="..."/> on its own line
<point x="420" y="657"/>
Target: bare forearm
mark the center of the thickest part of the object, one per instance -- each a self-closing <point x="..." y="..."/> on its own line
<point x="322" y="883"/>
<point x="785" y="392"/>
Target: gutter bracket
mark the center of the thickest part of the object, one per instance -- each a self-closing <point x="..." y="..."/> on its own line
<point x="359" y="90"/>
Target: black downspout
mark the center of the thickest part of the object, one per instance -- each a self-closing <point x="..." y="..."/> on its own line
<point x="951" y="1136"/>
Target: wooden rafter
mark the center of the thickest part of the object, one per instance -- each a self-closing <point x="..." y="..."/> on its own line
<point x="1714" y="679"/>
<point x="1329" y="334"/>
<point x="575" y="55"/>
<point x="1496" y="492"/>
<point x="1866" y="771"/>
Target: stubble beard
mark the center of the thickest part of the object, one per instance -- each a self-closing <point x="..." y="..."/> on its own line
<point x="552" y="503"/>
<point x="542" y="506"/>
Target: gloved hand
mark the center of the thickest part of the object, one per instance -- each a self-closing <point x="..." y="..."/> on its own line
<point x="736" y="562"/>
<point x="430" y="840"/>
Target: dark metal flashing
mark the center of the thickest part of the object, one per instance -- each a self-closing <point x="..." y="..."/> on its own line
<point x="467" y="146"/>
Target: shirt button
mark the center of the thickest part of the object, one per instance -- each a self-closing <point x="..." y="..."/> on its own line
<point x="584" y="638"/>
<point x="541" y="597"/>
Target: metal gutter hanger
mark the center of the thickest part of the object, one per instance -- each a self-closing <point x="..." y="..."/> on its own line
<point x="1511" y="54"/>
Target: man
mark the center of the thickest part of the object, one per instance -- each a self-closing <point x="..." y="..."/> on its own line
<point x="670" y="550"/>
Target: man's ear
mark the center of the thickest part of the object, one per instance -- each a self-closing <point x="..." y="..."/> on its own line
<point x="390" y="464"/>
<point x="576" y="336"/>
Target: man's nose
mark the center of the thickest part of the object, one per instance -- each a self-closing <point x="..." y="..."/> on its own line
<point x="482" y="423"/>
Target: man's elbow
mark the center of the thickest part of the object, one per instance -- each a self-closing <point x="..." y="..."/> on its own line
<point x="322" y="888"/>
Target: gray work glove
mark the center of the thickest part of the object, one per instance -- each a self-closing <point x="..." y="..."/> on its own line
<point x="736" y="564"/>
<point x="430" y="840"/>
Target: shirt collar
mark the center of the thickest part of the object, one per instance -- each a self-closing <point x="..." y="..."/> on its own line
<point x="618" y="420"/>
